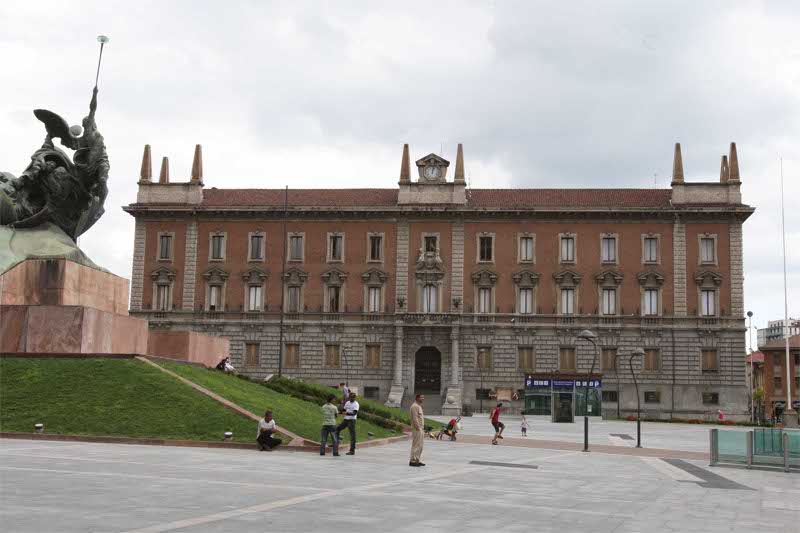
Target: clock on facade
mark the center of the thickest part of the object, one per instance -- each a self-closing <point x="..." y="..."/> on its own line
<point x="432" y="172"/>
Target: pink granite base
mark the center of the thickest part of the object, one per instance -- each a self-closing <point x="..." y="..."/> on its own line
<point x="188" y="346"/>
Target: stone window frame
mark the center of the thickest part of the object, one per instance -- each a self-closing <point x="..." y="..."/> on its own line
<point x="478" y="236"/>
<point x="659" y="360"/>
<point x="372" y="393"/>
<point x="382" y="236"/>
<point x="525" y="279"/>
<point x="421" y="291"/>
<point x="325" y="354"/>
<point x="163" y="276"/>
<point x="375" y="278"/>
<point x="211" y="235"/>
<point x="703" y="368"/>
<point x="708" y="280"/>
<point x="567" y="279"/>
<point x="245" y="344"/>
<point x="328" y="257"/>
<point x="657" y="237"/>
<point x="530" y="347"/>
<point x="215" y="277"/>
<point x="605" y="280"/>
<point x="334" y="278"/>
<point x="651" y="280"/>
<point x="484" y="279"/>
<point x="614" y="236"/>
<point x="366" y="353"/>
<point x="250" y="235"/>
<point x="487" y="349"/>
<point x="710" y="398"/>
<point x="526" y="235"/>
<point x="574" y="236"/>
<point x="286" y="352"/>
<point x="574" y="355"/>
<point x="289" y="235"/>
<point x="655" y="398"/>
<point x="614" y="366"/>
<point x="255" y="277"/>
<point x="715" y="238"/>
<point x="436" y="234"/>
<point x="171" y="235"/>
<point x="294" y="277"/>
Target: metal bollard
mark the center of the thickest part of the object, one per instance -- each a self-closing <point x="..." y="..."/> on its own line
<point x="228" y="436"/>
<point x="785" y="452"/>
<point x="713" y="443"/>
<point x="39" y="428"/>
<point x="749" y="449"/>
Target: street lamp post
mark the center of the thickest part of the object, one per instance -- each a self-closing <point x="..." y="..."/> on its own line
<point x="591" y="337"/>
<point x="480" y="373"/>
<point x="637" y="352"/>
<point x="346" y="372"/>
<point x="750" y="334"/>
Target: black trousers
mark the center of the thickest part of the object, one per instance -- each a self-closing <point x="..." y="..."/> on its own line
<point x="351" y="426"/>
<point x="266" y="440"/>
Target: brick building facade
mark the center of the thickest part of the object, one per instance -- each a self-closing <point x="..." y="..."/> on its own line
<point x="459" y="292"/>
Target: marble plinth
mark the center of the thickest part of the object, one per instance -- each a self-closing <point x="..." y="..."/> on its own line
<point x="188" y="346"/>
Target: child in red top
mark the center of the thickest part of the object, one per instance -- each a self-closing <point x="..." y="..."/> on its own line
<point x="496" y="424"/>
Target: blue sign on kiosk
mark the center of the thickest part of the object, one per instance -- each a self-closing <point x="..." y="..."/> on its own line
<point x="562" y="398"/>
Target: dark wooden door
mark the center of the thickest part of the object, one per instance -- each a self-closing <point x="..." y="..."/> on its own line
<point x="428" y="371"/>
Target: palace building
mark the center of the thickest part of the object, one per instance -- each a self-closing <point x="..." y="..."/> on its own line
<point x="468" y="295"/>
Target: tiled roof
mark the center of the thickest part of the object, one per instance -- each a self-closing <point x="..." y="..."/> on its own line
<point x="757" y="357"/>
<point x="477" y="198"/>
<point x="794" y="342"/>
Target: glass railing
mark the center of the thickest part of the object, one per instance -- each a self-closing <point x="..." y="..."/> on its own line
<point x="772" y="447"/>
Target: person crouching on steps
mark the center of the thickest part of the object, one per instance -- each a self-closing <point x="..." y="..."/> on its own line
<point x="329" y="412"/>
<point x="264" y="438"/>
<point x="349" y="422"/>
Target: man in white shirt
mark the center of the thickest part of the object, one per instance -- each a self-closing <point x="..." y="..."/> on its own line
<point x="349" y="422"/>
<point x="266" y="428"/>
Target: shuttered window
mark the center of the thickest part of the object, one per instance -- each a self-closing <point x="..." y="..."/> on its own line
<point x="291" y="356"/>
<point x="251" y="354"/>
<point x="566" y="360"/>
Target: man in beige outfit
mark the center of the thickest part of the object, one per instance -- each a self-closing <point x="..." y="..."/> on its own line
<point x="417" y="431"/>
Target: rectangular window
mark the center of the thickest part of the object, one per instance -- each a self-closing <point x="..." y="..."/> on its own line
<point x="710" y="398"/>
<point x="566" y="359"/>
<point x="609" y="358"/>
<point x="332" y="356"/>
<point x="526" y="361"/>
<point x="333" y="299"/>
<point x="162" y="297"/>
<point x="525" y="301"/>
<point x="372" y="393"/>
<point x="526" y="249"/>
<point x="778" y="384"/>
<point x="214" y="297"/>
<point x="652" y="360"/>
<point x="372" y="357"/>
<point x="217" y="247"/>
<point x="609" y="396"/>
<point x="650" y="302"/>
<point x="374" y="299"/>
<point x="485" y="244"/>
<point x="256" y="247"/>
<point x="335" y="243"/>
<point x="430" y="243"/>
<point x="291" y="358"/>
<point x="375" y="248"/>
<point x="707" y="250"/>
<point x="484" y="300"/>
<point x="650" y="250"/>
<point x="296" y="248"/>
<point x="251" y="354"/>
<point x="165" y="247"/>
<point x="652" y="396"/>
<point x="608" y="304"/>
<point x="430" y="298"/>
<point x="484" y="357"/>
<point x="608" y="250"/>
<point x="482" y="394"/>
<point x="567" y="301"/>
<point x="254" y="297"/>
<point x="708" y="302"/>
<point x="294" y="300"/>
<point x="567" y="249"/>
<point x="710" y="363"/>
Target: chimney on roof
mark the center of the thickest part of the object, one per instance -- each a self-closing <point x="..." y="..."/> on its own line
<point x="459" y="174"/>
<point x="405" y="166"/>
<point x="724" y="171"/>
<point x="146" y="174"/>
<point x="197" y="165"/>
<point x="164" y="176"/>
<point x="677" y="165"/>
<point x="733" y="162"/>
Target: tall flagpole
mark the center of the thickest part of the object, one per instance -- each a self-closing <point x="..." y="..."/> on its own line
<point x="789" y="412"/>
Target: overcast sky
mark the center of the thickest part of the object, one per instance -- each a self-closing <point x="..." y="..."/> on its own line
<point x="325" y="94"/>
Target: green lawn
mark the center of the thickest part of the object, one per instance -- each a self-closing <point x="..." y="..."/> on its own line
<point x="111" y="397"/>
<point x="298" y="416"/>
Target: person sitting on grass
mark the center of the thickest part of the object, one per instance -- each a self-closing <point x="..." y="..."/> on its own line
<point x="264" y="438"/>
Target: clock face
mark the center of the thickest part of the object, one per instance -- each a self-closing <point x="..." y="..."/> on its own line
<point x="431" y="172"/>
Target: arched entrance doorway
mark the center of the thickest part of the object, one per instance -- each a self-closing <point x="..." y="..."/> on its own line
<point x="428" y="370"/>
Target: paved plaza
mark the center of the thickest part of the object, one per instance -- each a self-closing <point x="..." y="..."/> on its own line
<point x="68" y="486"/>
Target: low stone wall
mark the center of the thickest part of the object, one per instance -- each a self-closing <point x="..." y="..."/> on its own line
<point x="188" y="346"/>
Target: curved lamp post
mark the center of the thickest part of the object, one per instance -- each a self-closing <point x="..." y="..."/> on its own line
<point x="591" y="337"/>
<point x="637" y="352"/>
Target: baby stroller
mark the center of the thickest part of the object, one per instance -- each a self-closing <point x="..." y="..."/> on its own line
<point x="451" y="430"/>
